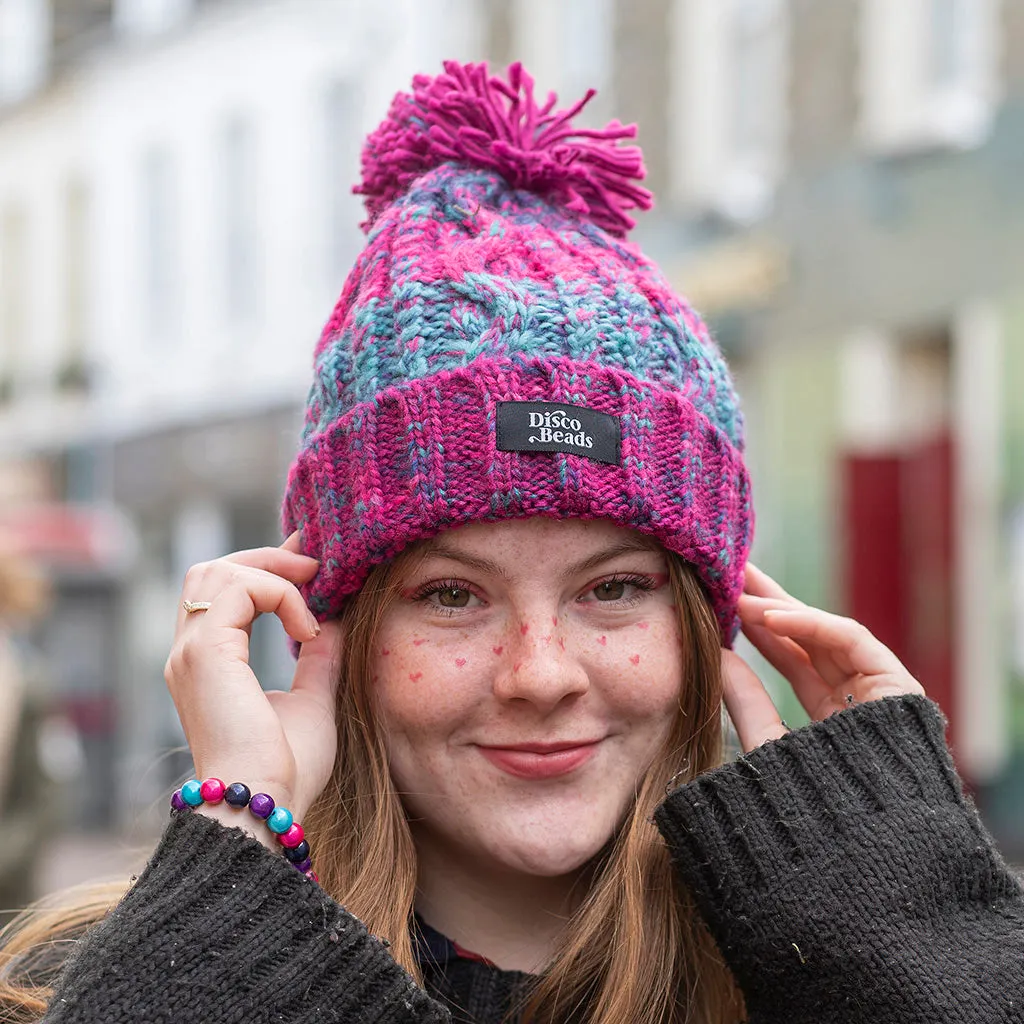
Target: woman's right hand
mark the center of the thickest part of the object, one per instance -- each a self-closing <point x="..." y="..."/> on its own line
<point x="281" y="743"/>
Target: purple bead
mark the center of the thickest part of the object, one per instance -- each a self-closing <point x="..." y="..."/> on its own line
<point x="261" y="805"/>
<point x="237" y="794"/>
<point x="177" y="804"/>
<point x="304" y="866"/>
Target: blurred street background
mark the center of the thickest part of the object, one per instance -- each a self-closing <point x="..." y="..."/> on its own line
<point x="840" y="191"/>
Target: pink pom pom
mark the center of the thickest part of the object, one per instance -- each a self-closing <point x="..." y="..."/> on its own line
<point x="465" y="116"/>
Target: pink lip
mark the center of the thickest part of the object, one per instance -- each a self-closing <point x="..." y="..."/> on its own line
<point x="540" y="760"/>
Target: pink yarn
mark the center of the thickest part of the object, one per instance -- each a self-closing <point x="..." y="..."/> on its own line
<point x="466" y="116"/>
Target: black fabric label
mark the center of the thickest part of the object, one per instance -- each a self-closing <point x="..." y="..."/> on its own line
<point x="554" y="427"/>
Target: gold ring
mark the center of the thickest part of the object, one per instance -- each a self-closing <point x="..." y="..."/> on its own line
<point x="196" y="606"/>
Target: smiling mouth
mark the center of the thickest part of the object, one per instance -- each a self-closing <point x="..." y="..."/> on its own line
<point x="540" y="760"/>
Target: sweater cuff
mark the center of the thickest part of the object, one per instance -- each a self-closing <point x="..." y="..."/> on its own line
<point x="749" y="825"/>
<point x="218" y="926"/>
<point x="845" y="877"/>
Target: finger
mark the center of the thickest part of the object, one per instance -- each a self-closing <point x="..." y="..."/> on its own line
<point x="207" y="579"/>
<point x="293" y="542"/>
<point x="793" y="663"/>
<point x="750" y="707"/>
<point x="250" y="592"/>
<point x="752" y="608"/>
<point x="823" y="660"/>
<point x="837" y="646"/>
<point x="317" y="670"/>
<point x="281" y="561"/>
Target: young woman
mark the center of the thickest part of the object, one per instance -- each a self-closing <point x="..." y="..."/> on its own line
<point x="519" y="524"/>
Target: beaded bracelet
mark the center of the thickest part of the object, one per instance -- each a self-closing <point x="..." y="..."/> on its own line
<point x="290" y="833"/>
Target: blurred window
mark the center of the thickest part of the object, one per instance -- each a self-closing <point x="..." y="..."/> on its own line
<point x="341" y="119"/>
<point x="950" y="50"/>
<point x="928" y="72"/>
<point x="756" y="116"/>
<point x="150" y="17"/>
<point x="588" y="27"/>
<point x="239" y="205"/>
<point x="24" y="47"/>
<point x="727" y="105"/>
<point x="77" y="23"/>
<point x="72" y="373"/>
<point x="568" y="46"/>
<point x="160" y="240"/>
<point x="13" y="281"/>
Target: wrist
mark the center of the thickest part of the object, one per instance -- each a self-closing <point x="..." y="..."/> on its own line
<point x="236" y="805"/>
<point x="230" y="817"/>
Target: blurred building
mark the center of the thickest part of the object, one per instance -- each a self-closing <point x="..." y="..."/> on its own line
<point x="841" y="191"/>
<point x="175" y="224"/>
<point x="843" y="196"/>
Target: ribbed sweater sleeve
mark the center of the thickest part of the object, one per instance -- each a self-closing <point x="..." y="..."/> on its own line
<point x="218" y="929"/>
<point x="848" y="880"/>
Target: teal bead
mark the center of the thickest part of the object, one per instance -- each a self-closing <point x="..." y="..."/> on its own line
<point x="190" y="792"/>
<point x="280" y="820"/>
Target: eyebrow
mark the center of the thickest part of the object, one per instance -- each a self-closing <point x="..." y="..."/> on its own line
<point x="638" y="545"/>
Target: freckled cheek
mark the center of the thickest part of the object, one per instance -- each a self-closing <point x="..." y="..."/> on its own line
<point x="641" y="670"/>
<point x="418" y="702"/>
<point x="420" y="656"/>
<point x="429" y="687"/>
<point x="651" y="646"/>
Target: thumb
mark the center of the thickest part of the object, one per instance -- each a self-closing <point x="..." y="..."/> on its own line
<point x="749" y="705"/>
<point x="316" y="673"/>
<point x="293" y="542"/>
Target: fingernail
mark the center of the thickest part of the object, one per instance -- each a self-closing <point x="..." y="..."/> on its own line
<point x="314" y="626"/>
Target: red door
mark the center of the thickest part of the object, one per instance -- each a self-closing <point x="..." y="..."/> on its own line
<point x="897" y="530"/>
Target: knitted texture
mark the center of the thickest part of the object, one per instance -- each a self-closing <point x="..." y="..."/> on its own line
<point x="493" y="273"/>
<point x="218" y="929"/>
<point x="468" y="116"/>
<point x="842" y="872"/>
<point x="842" y="866"/>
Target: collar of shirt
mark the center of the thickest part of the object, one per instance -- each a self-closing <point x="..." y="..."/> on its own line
<point x="433" y="948"/>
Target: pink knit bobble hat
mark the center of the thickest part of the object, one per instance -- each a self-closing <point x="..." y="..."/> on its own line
<point x="500" y="351"/>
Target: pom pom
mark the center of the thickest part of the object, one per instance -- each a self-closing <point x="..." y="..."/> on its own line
<point x="466" y="116"/>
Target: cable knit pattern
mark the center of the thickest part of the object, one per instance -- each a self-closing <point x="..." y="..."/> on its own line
<point x="842" y="872"/>
<point x="476" y="288"/>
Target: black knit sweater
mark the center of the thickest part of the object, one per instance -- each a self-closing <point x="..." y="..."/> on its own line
<point x="840" y="869"/>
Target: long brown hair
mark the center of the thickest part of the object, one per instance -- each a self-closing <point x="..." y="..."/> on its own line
<point x="635" y="950"/>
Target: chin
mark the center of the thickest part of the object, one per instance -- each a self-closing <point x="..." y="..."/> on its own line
<point x="552" y="853"/>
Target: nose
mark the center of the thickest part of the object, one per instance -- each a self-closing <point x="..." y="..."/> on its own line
<point x="540" y="669"/>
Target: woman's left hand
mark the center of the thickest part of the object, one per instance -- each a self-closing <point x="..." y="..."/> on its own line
<point x="831" y="662"/>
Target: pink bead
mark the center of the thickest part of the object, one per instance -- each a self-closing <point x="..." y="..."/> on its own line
<point x="212" y="791"/>
<point x="292" y="837"/>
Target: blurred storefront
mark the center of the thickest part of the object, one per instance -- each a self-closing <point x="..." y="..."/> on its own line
<point x="175" y="224"/>
<point x="848" y="210"/>
<point x="83" y="550"/>
<point x="841" y="191"/>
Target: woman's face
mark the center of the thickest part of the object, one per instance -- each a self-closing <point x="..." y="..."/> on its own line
<point x="526" y="678"/>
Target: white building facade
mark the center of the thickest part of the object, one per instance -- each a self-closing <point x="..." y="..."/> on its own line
<point x="177" y="222"/>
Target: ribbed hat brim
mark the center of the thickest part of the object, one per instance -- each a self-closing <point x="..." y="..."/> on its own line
<point x="424" y="457"/>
